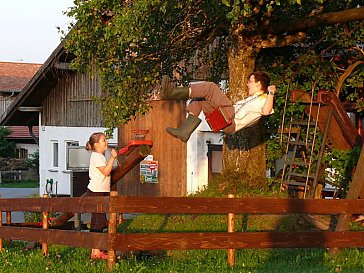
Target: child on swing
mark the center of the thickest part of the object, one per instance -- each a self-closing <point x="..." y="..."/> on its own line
<point x="207" y="96"/>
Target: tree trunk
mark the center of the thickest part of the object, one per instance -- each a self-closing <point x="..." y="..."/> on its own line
<point x="244" y="159"/>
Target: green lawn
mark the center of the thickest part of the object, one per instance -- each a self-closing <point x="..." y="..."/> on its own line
<point x="15" y="259"/>
<point x="20" y="184"/>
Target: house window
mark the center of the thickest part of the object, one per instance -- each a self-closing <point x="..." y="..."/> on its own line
<point x="72" y="143"/>
<point x="55" y="154"/>
<point x="22" y="153"/>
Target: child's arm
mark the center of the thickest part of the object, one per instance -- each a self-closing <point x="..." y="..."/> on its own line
<point x="268" y="105"/>
<point x="106" y="170"/>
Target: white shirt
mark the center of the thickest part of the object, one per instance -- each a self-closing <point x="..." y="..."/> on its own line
<point x="98" y="181"/>
<point x="249" y="110"/>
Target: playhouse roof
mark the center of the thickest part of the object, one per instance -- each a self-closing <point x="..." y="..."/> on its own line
<point x="22" y="132"/>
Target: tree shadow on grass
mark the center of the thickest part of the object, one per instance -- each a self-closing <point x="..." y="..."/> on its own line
<point x="297" y="259"/>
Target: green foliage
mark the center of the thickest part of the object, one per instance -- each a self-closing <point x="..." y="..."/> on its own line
<point x="33" y="161"/>
<point x="138" y="43"/>
<point x="235" y="183"/>
<point x="316" y="65"/>
<point x="7" y="148"/>
<point x="131" y="44"/>
<point x="275" y="150"/>
<point x="342" y="164"/>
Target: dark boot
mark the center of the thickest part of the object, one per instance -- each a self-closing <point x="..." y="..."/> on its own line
<point x="170" y="92"/>
<point x="185" y="130"/>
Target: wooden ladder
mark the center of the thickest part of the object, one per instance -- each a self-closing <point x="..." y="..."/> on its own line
<point x="301" y="170"/>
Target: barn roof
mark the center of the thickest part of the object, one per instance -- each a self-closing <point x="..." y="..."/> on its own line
<point x="14" y="76"/>
<point x="26" y="106"/>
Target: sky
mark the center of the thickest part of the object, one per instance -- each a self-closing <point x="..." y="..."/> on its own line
<point x="28" y="29"/>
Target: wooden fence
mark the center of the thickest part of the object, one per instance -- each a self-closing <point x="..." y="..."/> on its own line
<point x="180" y="205"/>
<point x="18" y="175"/>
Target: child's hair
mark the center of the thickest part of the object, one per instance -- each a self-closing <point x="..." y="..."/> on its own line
<point x="261" y="77"/>
<point x="94" y="138"/>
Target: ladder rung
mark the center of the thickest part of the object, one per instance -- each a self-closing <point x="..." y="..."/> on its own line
<point x="303" y="123"/>
<point x="300" y="163"/>
<point x="301" y="175"/>
<point x="309" y="102"/>
<point x="300" y="143"/>
<point x="293" y="130"/>
<point x="296" y="184"/>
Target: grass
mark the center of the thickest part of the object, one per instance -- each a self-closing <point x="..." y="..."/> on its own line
<point x="66" y="259"/>
<point x="14" y="259"/>
<point x="19" y="184"/>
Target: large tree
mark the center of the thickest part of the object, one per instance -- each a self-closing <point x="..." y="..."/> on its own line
<point x="130" y="44"/>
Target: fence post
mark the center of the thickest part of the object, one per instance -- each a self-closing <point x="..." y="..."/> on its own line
<point x="8" y="218"/>
<point x="120" y="218"/>
<point x="231" y="228"/>
<point x="8" y="222"/>
<point x="77" y="221"/>
<point x="45" y="226"/>
<point x="1" y="224"/>
<point x="112" y="233"/>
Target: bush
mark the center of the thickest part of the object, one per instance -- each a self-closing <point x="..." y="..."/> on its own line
<point x="7" y="148"/>
<point x="33" y="161"/>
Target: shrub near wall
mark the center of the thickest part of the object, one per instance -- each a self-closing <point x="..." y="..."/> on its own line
<point x="15" y="169"/>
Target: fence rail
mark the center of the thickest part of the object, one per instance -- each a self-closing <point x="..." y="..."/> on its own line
<point x="17" y="175"/>
<point x="181" y="205"/>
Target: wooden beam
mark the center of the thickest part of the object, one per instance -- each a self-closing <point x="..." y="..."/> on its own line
<point x="59" y="204"/>
<point x="126" y="165"/>
<point x="345" y="124"/>
<point x="62" y="66"/>
<point x="198" y="205"/>
<point x="57" y="237"/>
<point x="182" y="205"/>
<point x="190" y="240"/>
<point x="237" y="240"/>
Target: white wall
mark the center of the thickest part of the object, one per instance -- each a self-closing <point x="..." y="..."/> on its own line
<point x="197" y="160"/>
<point x="32" y="148"/>
<point x="60" y="175"/>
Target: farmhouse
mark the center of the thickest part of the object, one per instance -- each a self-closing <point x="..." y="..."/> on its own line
<point x="13" y="78"/>
<point x="58" y="101"/>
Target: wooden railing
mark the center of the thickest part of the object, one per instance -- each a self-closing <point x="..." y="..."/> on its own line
<point x="181" y="240"/>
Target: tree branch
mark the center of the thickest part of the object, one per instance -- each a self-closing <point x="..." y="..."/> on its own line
<point x="345" y="75"/>
<point x="327" y="19"/>
<point x="278" y="41"/>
